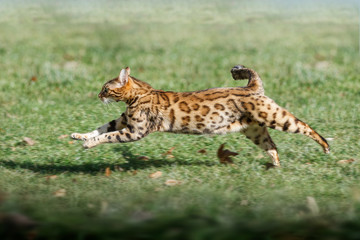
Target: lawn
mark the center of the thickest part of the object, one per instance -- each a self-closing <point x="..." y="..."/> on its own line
<point x="54" y="58"/>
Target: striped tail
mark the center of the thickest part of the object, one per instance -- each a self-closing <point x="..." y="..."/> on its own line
<point x="239" y="72"/>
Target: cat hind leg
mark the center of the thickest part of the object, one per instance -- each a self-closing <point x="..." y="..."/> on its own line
<point x="280" y="119"/>
<point x="260" y="136"/>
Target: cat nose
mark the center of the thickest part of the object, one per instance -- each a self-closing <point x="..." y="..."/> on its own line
<point x="99" y="95"/>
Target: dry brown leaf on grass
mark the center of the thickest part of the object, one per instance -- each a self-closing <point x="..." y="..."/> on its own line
<point x="155" y="174"/>
<point x="51" y="177"/>
<point x="172" y="182"/>
<point x="224" y="155"/>
<point x="168" y="154"/>
<point x="70" y="142"/>
<point x="346" y="161"/>
<point x="169" y="151"/>
<point x="28" y="141"/>
<point x="143" y="158"/>
<point x="63" y="136"/>
<point x="202" y="151"/>
<point x="107" y="172"/>
<point x="60" y="193"/>
<point x="134" y="172"/>
<point x="33" y="79"/>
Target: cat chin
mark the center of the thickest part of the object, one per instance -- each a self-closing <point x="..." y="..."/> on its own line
<point x="107" y="100"/>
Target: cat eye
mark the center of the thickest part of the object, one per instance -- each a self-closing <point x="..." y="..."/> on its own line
<point x="106" y="90"/>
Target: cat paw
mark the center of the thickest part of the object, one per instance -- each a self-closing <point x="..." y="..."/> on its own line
<point x="78" y="136"/>
<point x="327" y="150"/>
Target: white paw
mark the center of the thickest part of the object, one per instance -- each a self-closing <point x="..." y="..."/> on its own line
<point x="327" y="150"/>
<point x="78" y="136"/>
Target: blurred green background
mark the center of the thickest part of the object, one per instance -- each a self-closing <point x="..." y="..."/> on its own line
<point x="54" y="58"/>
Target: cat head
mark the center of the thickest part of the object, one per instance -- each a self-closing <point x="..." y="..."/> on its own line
<point x="117" y="89"/>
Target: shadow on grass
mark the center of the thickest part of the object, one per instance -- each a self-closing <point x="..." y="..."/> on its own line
<point x="93" y="168"/>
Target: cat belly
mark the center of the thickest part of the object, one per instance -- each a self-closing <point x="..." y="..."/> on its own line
<point x="209" y="128"/>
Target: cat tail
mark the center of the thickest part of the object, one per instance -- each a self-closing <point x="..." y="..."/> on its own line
<point x="239" y="72"/>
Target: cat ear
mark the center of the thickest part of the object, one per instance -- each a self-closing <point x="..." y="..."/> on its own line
<point x="124" y="76"/>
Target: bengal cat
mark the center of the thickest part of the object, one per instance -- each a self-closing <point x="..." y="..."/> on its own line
<point x="212" y="111"/>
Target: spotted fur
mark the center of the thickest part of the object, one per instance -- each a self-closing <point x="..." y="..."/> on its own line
<point x="212" y="111"/>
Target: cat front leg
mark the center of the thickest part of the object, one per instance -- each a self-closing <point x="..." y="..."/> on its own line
<point x="128" y="134"/>
<point x="114" y="125"/>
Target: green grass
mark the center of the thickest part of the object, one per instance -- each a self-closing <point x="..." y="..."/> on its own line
<point x="308" y="59"/>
